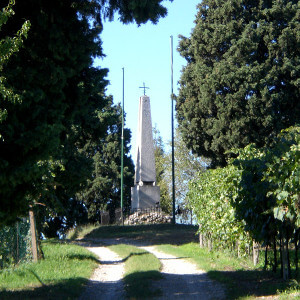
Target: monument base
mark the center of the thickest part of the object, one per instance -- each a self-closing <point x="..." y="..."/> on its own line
<point x="144" y="196"/>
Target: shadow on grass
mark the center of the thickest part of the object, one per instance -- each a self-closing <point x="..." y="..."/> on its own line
<point x="145" y="235"/>
<point x="104" y="262"/>
<point x="138" y="285"/>
<point x="249" y="283"/>
<point x="37" y="277"/>
<point x="54" y="241"/>
<point x="65" y="289"/>
<point x="214" y="284"/>
<point x="114" y="262"/>
<point x="142" y="285"/>
<point x="171" y="258"/>
<point x="83" y="257"/>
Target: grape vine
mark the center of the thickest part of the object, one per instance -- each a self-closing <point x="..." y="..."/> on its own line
<point x="256" y="196"/>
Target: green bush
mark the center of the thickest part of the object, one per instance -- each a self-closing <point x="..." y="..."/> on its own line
<point x="256" y="195"/>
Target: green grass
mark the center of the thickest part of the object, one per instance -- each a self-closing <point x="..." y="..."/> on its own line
<point x="67" y="267"/>
<point x="241" y="279"/>
<point x="154" y="233"/>
<point x="80" y="231"/>
<point x="141" y="268"/>
<point x="61" y="275"/>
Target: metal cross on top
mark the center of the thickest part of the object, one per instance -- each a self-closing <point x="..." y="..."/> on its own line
<point x="144" y="87"/>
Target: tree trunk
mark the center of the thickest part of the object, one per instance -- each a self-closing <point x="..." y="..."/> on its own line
<point x="255" y="253"/>
<point x="266" y="257"/>
<point x="201" y="243"/>
<point x="33" y="235"/>
<point x="284" y="250"/>
<point x="281" y="255"/>
<point x="210" y="244"/>
<point x="238" y="249"/>
<point x="204" y="240"/>
<point x="40" y="251"/>
<point x="275" y="254"/>
<point x="288" y="254"/>
<point x="296" y="251"/>
<point x="18" y="243"/>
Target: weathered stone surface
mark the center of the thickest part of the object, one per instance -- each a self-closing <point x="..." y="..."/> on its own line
<point x="151" y="217"/>
<point x="145" y="196"/>
<point x="145" y="193"/>
<point x="145" y="161"/>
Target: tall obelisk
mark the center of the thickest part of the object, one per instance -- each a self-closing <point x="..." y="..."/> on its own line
<point x="145" y="193"/>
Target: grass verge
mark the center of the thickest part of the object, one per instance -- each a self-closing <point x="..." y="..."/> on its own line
<point x="141" y="267"/>
<point x="154" y="233"/>
<point x="61" y="275"/>
<point x="241" y="279"/>
<point x="80" y="231"/>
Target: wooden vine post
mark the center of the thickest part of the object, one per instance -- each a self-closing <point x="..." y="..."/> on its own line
<point x="33" y="234"/>
<point x="255" y="253"/>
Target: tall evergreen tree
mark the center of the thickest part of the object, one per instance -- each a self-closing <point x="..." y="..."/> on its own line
<point x="49" y="73"/>
<point x="241" y="82"/>
<point x="103" y="191"/>
<point x="46" y="149"/>
<point x="8" y="46"/>
<point x="133" y="10"/>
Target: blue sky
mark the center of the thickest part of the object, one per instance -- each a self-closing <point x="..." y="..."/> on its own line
<point x="144" y="52"/>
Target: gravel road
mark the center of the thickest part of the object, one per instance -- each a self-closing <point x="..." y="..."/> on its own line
<point x="106" y="282"/>
<point x="181" y="278"/>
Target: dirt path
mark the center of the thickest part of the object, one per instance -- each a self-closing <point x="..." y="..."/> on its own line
<point x="106" y="282"/>
<point x="181" y="278"/>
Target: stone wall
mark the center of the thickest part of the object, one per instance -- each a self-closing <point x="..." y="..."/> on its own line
<point x="151" y="217"/>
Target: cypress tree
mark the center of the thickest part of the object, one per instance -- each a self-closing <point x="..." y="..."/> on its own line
<point x="47" y="141"/>
<point x="241" y="84"/>
<point x="103" y="188"/>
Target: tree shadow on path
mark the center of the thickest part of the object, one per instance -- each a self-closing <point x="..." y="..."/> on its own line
<point x="189" y="286"/>
<point x="146" y="235"/>
<point x="108" y="290"/>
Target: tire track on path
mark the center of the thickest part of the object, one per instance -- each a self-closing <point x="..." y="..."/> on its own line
<point x="107" y="280"/>
<point x="181" y="278"/>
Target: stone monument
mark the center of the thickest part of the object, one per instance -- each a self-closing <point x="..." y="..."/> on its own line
<point x="145" y="193"/>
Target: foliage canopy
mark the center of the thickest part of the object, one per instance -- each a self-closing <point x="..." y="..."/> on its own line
<point x="64" y="120"/>
<point x="256" y="195"/>
<point x="241" y="84"/>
